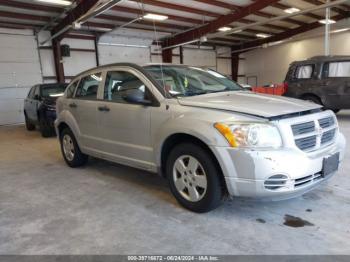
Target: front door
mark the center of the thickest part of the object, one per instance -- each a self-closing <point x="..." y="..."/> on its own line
<point x="125" y="126"/>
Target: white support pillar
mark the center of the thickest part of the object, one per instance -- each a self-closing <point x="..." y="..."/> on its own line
<point x="327" y="35"/>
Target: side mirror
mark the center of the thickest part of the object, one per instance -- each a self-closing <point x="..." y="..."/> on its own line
<point x="136" y="96"/>
<point x="37" y="97"/>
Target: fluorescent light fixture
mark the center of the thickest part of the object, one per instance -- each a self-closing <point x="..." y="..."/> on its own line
<point x="237" y="31"/>
<point x="261" y="35"/>
<point x="155" y="17"/>
<point x="56" y="2"/>
<point x="224" y="29"/>
<point x="341" y="30"/>
<point x="292" y="10"/>
<point x="327" y="22"/>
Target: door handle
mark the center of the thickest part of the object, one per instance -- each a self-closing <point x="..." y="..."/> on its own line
<point x="73" y="105"/>
<point x="103" y="108"/>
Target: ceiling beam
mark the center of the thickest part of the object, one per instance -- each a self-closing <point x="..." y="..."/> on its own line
<point x="284" y="35"/>
<point x="171" y="17"/>
<point x="317" y="2"/>
<point x="144" y="22"/>
<point x="182" y="8"/>
<point x="82" y="8"/>
<point x="30" y="6"/>
<point x="24" y="16"/>
<point x="284" y="7"/>
<point x="216" y="24"/>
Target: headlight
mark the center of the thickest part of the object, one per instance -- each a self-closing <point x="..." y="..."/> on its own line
<point x="251" y="135"/>
<point x="51" y="108"/>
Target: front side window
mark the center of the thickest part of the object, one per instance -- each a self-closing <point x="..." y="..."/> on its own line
<point x="31" y="92"/>
<point x="71" y="89"/>
<point x="190" y="81"/>
<point x="88" y="86"/>
<point x="120" y="83"/>
<point x="337" y="69"/>
<point x="304" y="71"/>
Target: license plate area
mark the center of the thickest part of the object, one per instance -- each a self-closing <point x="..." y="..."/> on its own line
<point x="330" y="165"/>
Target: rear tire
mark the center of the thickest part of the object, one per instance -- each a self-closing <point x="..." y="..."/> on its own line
<point x="29" y="126"/>
<point x="194" y="178"/>
<point x="70" y="149"/>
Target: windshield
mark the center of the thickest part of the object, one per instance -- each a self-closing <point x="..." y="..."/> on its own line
<point x="190" y="81"/>
<point x="53" y="90"/>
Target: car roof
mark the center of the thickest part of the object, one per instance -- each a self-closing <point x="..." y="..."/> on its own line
<point x="317" y="59"/>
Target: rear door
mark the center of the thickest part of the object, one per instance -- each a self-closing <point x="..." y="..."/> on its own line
<point x="302" y="79"/>
<point x="84" y="108"/>
<point x="336" y="84"/>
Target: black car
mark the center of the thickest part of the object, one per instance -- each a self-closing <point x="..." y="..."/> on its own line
<point x="40" y="107"/>
<point x="324" y="80"/>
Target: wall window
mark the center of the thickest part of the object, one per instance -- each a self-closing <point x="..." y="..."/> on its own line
<point x="88" y="86"/>
<point x="118" y="83"/>
<point x="304" y="71"/>
<point x="337" y="69"/>
<point x="71" y="89"/>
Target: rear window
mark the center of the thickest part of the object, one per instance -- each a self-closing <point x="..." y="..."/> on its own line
<point x="304" y="71"/>
<point x="337" y="69"/>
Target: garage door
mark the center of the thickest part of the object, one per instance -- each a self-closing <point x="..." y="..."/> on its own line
<point x="19" y="70"/>
<point x="200" y="57"/>
<point x="110" y="54"/>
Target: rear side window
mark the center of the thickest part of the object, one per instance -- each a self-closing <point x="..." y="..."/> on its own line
<point x="337" y="69"/>
<point x="88" y="86"/>
<point x="304" y="71"/>
<point x="71" y="89"/>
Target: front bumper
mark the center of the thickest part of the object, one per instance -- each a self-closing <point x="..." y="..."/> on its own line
<point x="246" y="171"/>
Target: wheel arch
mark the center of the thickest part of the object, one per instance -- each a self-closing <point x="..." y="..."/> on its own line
<point x="174" y="139"/>
<point x="302" y="96"/>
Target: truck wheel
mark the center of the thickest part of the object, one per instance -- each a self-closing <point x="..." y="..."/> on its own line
<point x="314" y="99"/>
<point x="70" y="149"/>
<point x="29" y="126"/>
<point x="194" y="178"/>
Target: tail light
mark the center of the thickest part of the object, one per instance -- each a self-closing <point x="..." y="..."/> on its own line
<point x="285" y="87"/>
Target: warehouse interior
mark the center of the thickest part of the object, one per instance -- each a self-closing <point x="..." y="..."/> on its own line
<point x="105" y="208"/>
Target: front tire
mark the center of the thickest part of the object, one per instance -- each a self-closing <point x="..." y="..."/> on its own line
<point x="194" y="178"/>
<point x="29" y="125"/>
<point x="70" y="149"/>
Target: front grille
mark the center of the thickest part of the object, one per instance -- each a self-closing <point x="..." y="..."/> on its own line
<point x="315" y="133"/>
<point x="328" y="136"/>
<point x="303" y="128"/>
<point x="303" y="181"/>
<point x="306" y="142"/>
<point x="326" y="122"/>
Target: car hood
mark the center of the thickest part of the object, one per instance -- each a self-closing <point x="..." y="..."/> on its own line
<point x="266" y="106"/>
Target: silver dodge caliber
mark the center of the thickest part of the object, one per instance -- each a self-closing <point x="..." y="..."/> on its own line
<point x="200" y="130"/>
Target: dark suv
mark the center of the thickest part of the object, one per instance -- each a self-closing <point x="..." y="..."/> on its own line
<point x="324" y="80"/>
<point x="40" y="107"/>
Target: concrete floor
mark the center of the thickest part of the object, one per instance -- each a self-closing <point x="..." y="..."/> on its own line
<point x="103" y="208"/>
